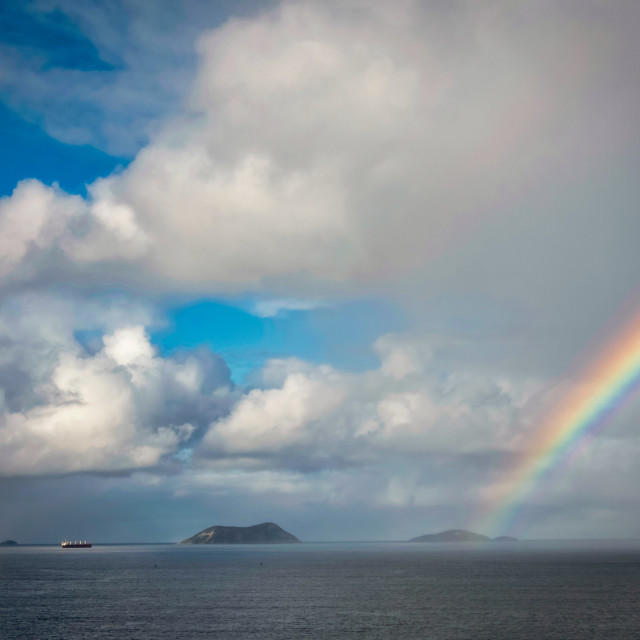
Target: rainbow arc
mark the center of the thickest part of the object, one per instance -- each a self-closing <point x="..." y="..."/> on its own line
<point x="597" y="394"/>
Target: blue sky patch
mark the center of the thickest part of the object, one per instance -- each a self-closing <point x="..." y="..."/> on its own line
<point x="340" y="335"/>
<point x="51" y="36"/>
<point x="27" y="151"/>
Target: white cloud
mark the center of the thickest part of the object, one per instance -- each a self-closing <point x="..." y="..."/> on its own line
<point x="271" y="307"/>
<point x="120" y="408"/>
<point x="43" y="229"/>
<point x="331" y="145"/>
<point x="114" y="235"/>
<point x="87" y="423"/>
<point x="129" y="348"/>
<point x="319" y="416"/>
<point x="266" y="420"/>
<point x="401" y="358"/>
<point x="33" y="220"/>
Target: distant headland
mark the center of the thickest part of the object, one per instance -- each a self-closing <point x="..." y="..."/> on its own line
<point x="265" y="533"/>
<point x="460" y="535"/>
<point x="8" y="543"/>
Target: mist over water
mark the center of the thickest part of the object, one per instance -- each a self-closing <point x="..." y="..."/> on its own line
<point x="564" y="590"/>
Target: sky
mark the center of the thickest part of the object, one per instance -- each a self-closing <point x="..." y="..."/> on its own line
<point x="331" y="264"/>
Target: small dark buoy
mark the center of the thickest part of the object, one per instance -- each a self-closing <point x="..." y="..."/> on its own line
<point x="261" y="564"/>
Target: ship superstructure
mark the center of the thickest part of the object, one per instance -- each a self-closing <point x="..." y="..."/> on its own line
<point x="75" y="544"/>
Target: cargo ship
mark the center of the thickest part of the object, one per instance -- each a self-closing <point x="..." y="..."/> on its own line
<point x="77" y="544"/>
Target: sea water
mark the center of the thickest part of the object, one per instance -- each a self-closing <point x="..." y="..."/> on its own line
<point x="347" y="590"/>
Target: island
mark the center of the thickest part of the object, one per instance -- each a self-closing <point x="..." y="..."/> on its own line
<point x="459" y="535"/>
<point x="505" y="539"/>
<point x="8" y="543"/>
<point x="265" y="533"/>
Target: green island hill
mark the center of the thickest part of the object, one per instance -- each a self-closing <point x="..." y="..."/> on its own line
<point x="265" y="533"/>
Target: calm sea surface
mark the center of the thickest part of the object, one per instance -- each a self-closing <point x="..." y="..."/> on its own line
<point x="364" y="590"/>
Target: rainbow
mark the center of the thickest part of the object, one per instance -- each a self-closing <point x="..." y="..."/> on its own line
<point x="597" y="394"/>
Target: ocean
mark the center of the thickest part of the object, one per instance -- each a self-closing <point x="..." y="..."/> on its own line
<point x="537" y="590"/>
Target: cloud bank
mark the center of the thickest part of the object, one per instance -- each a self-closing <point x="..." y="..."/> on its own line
<point x="331" y="144"/>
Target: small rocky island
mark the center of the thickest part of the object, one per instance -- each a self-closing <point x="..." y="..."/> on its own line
<point x="459" y="535"/>
<point x="265" y="533"/>
<point x="8" y="543"/>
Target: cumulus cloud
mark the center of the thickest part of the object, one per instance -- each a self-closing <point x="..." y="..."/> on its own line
<point x="330" y="145"/>
<point x="44" y="229"/>
<point x="269" y="419"/>
<point x="314" y="417"/>
<point x="266" y="195"/>
<point x="119" y="408"/>
<point x="33" y="220"/>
